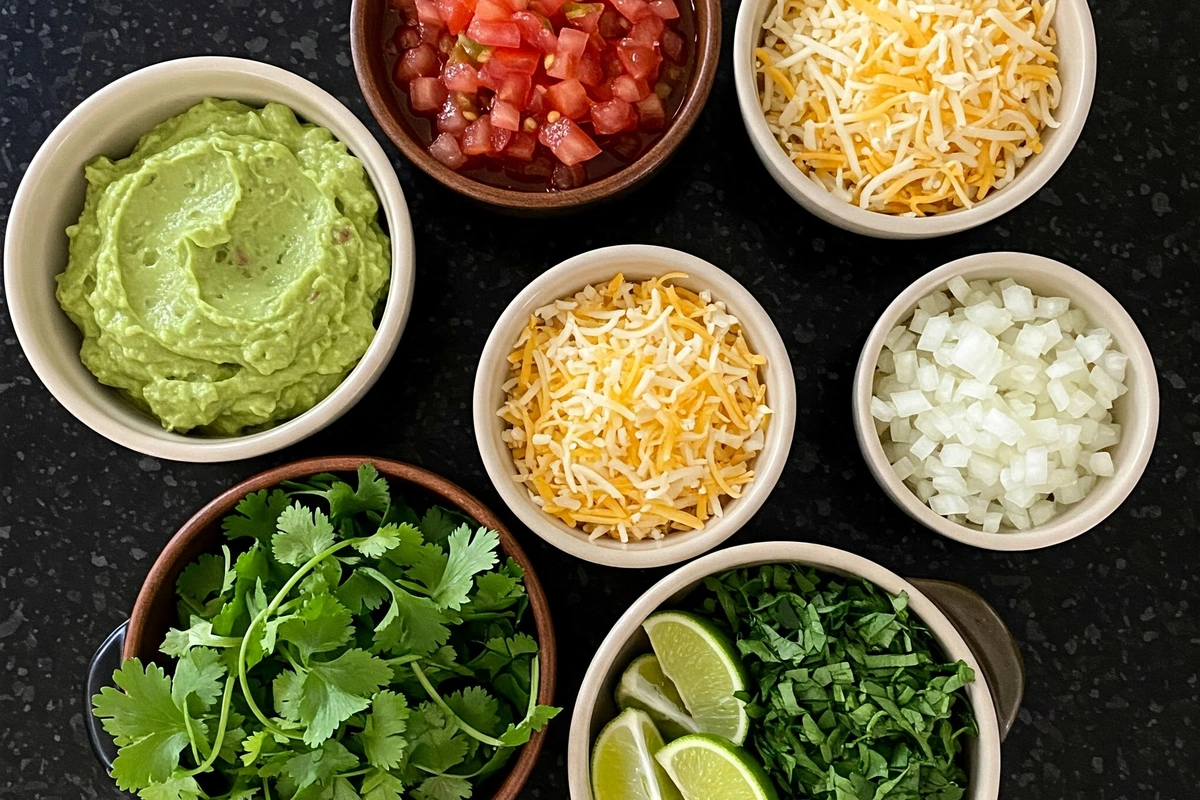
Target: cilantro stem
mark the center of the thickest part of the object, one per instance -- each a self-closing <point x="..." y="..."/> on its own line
<point x="261" y="617"/>
<point x="221" y="726"/>
<point x="437" y="698"/>
<point x="187" y="724"/>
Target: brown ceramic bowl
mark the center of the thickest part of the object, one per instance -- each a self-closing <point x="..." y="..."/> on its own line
<point x="374" y="78"/>
<point x="154" y="610"/>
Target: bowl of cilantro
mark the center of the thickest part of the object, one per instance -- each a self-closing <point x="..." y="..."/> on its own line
<point x="850" y="681"/>
<point x="333" y="628"/>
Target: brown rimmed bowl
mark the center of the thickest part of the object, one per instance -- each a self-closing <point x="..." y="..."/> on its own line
<point x="374" y="78"/>
<point x="154" y="610"/>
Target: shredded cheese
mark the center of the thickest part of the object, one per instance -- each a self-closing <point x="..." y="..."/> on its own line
<point x="908" y="107"/>
<point x="634" y="409"/>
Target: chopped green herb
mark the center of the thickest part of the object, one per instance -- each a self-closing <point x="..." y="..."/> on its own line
<point x="341" y="647"/>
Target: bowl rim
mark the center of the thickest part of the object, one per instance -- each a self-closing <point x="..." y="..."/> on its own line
<point x="985" y="770"/>
<point x="760" y="330"/>
<point x="168" y="563"/>
<point x="1036" y="173"/>
<point x="172" y="76"/>
<point x="1143" y="394"/>
<point x="700" y="82"/>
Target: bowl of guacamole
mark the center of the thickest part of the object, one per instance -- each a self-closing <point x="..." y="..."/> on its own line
<point x="233" y="276"/>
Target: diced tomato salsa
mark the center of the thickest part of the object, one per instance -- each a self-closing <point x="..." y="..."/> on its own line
<point x="540" y="95"/>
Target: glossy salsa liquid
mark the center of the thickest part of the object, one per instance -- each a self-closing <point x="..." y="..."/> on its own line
<point x="617" y="150"/>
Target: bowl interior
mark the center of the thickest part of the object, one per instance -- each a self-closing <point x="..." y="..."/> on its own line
<point x="154" y="610"/>
<point x="596" y="705"/>
<point x="1076" y="49"/>
<point x="51" y="197"/>
<point x="1136" y="411"/>
<point x="368" y="18"/>
<point x="639" y="263"/>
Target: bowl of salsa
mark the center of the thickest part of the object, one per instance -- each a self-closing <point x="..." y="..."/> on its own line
<point x="536" y="105"/>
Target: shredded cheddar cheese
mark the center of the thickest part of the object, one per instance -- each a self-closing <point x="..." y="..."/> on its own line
<point x="907" y="107"/>
<point x="634" y="409"/>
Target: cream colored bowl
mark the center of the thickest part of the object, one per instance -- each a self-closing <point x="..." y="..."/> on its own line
<point x="1076" y="50"/>
<point x="594" y="705"/>
<point x="637" y="262"/>
<point x="50" y="198"/>
<point x="1136" y="411"/>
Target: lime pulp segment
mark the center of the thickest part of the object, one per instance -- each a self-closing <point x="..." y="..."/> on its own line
<point x="706" y="767"/>
<point x="623" y="765"/>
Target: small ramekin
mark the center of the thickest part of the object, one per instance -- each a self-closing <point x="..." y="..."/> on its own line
<point x="637" y="262"/>
<point x="50" y="198"/>
<point x="1136" y="411"/>
<point x="1076" y="50"/>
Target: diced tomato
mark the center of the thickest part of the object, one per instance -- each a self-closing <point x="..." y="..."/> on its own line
<point x="420" y="61"/>
<point x="564" y="177"/>
<point x="505" y="116"/>
<point x="427" y="11"/>
<point x="562" y="66"/>
<point x="572" y="42"/>
<point x="547" y="8"/>
<point x="506" y="61"/>
<point x="515" y="90"/>
<point x="609" y="62"/>
<point x="430" y="32"/>
<point x="536" y="30"/>
<point x="426" y="94"/>
<point x="450" y="119"/>
<point x="664" y="8"/>
<point x="568" y="142"/>
<point x="406" y="37"/>
<point x="647" y="30"/>
<point x="459" y="76"/>
<point x="672" y="46"/>
<point x="610" y="25"/>
<point x="517" y="5"/>
<point x="493" y="11"/>
<point x="500" y="138"/>
<point x="633" y="10"/>
<point x="601" y="92"/>
<point x="496" y="34"/>
<point x="629" y="89"/>
<point x="612" y="117"/>
<point x="521" y="146"/>
<point x="569" y="98"/>
<point x="535" y="102"/>
<point x="651" y="114"/>
<point x="446" y="150"/>
<point x="455" y="14"/>
<point x="477" y="138"/>
<point x="641" y="61"/>
<point x="584" y="16"/>
<point x="588" y="70"/>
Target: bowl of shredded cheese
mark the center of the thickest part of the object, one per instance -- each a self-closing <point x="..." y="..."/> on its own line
<point x="907" y="119"/>
<point x="1007" y="401"/>
<point x="634" y="406"/>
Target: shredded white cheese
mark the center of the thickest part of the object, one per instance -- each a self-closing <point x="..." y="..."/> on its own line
<point x="909" y="108"/>
<point x="634" y="409"/>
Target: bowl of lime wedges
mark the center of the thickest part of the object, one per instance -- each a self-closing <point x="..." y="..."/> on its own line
<point x="787" y="669"/>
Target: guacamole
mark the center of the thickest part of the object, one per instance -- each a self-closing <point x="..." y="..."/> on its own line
<point x="225" y="275"/>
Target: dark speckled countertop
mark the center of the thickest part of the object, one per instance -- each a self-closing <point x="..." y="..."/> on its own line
<point x="1107" y="622"/>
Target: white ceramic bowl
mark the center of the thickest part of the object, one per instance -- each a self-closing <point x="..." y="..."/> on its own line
<point x="594" y="706"/>
<point x="636" y="262"/>
<point x="1077" y="70"/>
<point x="1136" y="411"/>
<point x="50" y="198"/>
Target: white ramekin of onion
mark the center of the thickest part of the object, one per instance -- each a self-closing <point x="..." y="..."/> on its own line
<point x="1007" y="401"/>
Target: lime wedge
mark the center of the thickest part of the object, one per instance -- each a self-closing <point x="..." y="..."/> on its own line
<point x="623" y="765"/>
<point x="705" y="668"/>
<point x="707" y="767"/>
<point x="644" y="686"/>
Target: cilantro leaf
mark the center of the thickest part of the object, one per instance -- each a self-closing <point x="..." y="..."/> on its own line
<point x="321" y="765"/>
<point x="380" y="737"/>
<point x="256" y="515"/>
<point x="145" y="723"/>
<point x="437" y="524"/>
<point x="197" y="674"/>
<point x="203" y="578"/>
<point x="469" y="554"/>
<point x="303" y="534"/>
<point x="178" y="642"/>
<point x="474" y="706"/>
<point x="177" y="787"/>
<point x="380" y="785"/>
<point x="359" y="593"/>
<point x="371" y="494"/>
<point x="412" y="624"/>
<point x="378" y="543"/>
<point x="518" y="734"/>
<point x="435" y="743"/>
<point x="443" y="787"/>
<point x="324" y="695"/>
<point x="322" y="624"/>
<point x="249" y="568"/>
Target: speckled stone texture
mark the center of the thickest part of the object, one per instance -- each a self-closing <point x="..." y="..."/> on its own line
<point x="1106" y="622"/>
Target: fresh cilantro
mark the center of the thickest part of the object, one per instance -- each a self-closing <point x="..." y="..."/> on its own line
<point x="314" y="651"/>
<point x="848" y="695"/>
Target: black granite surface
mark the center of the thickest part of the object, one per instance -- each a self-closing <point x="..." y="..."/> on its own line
<point x="1107" y="622"/>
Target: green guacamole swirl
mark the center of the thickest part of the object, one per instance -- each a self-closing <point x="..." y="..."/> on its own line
<point x="225" y="275"/>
